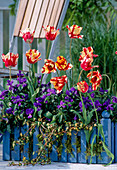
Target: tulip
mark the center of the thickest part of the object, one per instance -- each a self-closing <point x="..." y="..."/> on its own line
<point x="27" y="35"/>
<point x="10" y="59"/>
<point x="82" y="86"/>
<point x="74" y="31"/>
<point x="61" y="63"/>
<point x="51" y="33"/>
<point x="86" y="64"/>
<point x="115" y="52"/>
<point x="48" y="67"/>
<point x="32" y="56"/>
<point x="59" y="82"/>
<point x="87" y="53"/>
<point x="95" y="78"/>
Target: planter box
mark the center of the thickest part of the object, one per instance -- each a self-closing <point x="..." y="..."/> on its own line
<point x="110" y="132"/>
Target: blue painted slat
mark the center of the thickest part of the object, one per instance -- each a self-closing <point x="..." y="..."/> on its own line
<point x="15" y="154"/>
<point x="35" y="142"/>
<point x="73" y="158"/>
<point x="106" y="123"/>
<point x="79" y="154"/>
<point x="116" y="142"/>
<point x="26" y="146"/>
<point x="54" y="154"/>
<point x="94" y="157"/>
<point x="83" y="147"/>
<point x="64" y="152"/>
<point x="6" y="146"/>
<point x="112" y="139"/>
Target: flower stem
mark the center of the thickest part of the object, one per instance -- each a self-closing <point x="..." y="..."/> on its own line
<point x="10" y="73"/>
<point x="48" y="47"/>
<point x="34" y="72"/>
<point x="57" y="73"/>
<point x="71" y="60"/>
<point x="80" y="75"/>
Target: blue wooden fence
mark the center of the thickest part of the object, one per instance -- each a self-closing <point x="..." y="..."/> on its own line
<point x="110" y="132"/>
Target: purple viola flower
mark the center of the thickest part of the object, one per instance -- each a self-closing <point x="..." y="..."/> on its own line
<point x="62" y="104"/>
<point x="48" y="119"/>
<point x="9" y="83"/>
<point x="20" y="74"/>
<point x="97" y="104"/>
<point x="103" y="91"/>
<point x="51" y="91"/>
<point x="89" y="89"/>
<point x="9" y="110"/>
<point x="107" y="102"/>
<point x="99" y="109"/>
<point x="3" y="94"/>
<point x="75" y="117"/>
<point x="69" y="105"/>
<point x="67" y="92"/>
<point x="109" y="107"/>
<point x="1" y="105"/>
<point x="92" y="95"/>
<point x="80" y="104"/>
<point x="6" y="119"/>
<point x="114" y="99"/>
<point x="29" y="111"/>
<point x="29" y="116"/>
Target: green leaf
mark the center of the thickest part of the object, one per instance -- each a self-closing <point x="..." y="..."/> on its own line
<point x="80" y="117"/>
<point x="31" y="88"/>
<point x="88" y="134"/>
<point x="48" y="114"/>
<point x="94" y="137"/>
<point x="60" y="118"/>
<point x="108" y="153"/>
<point x="100" y="130"/>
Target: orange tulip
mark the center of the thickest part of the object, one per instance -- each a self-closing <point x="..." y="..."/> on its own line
<point x="10" y="59"/>
<point x="61" y="63"/>
<point x="32" y="56"/>
<point x="48" y="67"/>
<point x="59" y="82"/>
<point x="51" y="32"/>
<point x="83" y="86"/>
<point x="95" y="78"/>
<point x="27" y="35"/>
<point x="74" y="31"/>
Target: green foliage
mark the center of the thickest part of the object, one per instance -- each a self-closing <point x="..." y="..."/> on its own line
<point x="80" y="11"/>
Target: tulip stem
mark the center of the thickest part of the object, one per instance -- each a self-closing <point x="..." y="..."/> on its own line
<point x="10" y="73"/>
<point x="48" y="47"/>
<point x="34" y="73"/>
<point x="29" y="45"/>
<point x="71" y="60"/>
<point x="80" y="75"/>
<point x="57" y="73"/>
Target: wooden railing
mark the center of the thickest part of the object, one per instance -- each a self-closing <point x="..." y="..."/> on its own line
<point x="110" y="132"/>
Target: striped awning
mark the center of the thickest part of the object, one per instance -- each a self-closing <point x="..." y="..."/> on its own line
<point x="34" y="14"/>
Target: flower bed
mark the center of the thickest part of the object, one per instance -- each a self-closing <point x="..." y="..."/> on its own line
<point x="34" y="113"/>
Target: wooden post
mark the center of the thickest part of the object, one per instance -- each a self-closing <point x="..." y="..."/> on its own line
<point x="116" y="142"/>
<point x="106" y="123"/>
<point x="15" y="155"/>
<point x="26" y="146"/>
<point x="6" y="146"/>
<point x="73" y="158"/>
<point x="35" y="142"/>
<point x="64" y="153"/>
<point x="113" y="139"/>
